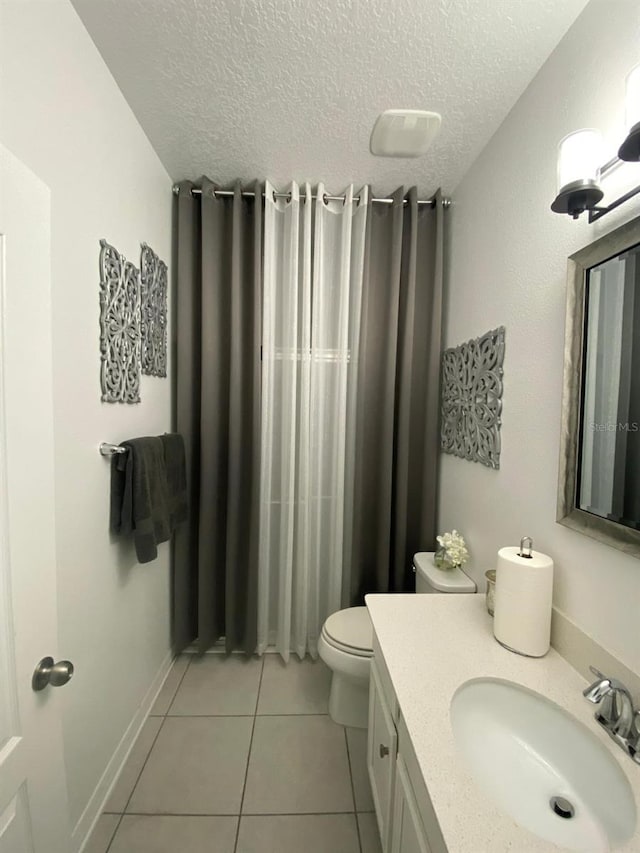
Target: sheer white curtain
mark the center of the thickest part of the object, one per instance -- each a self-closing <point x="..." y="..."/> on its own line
<point x="313" y="268"/>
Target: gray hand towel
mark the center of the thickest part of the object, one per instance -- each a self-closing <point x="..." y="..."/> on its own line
<point x="140" y="501"/>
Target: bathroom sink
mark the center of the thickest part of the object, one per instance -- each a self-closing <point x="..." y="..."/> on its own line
<point x="542" y="766"/>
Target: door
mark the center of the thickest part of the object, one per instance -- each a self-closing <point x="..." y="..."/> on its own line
<point x="382" y="743"/>
<point x="33" y="804"/>
<point x="408" y="835"/>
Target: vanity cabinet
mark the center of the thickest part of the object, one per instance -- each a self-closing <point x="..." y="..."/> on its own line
<point x="406" y="819"/>
<point x="408" y="835"/>
<point x="382" y="748"/>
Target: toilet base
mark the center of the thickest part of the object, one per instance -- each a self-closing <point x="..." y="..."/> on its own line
<point x="349" y="701"/>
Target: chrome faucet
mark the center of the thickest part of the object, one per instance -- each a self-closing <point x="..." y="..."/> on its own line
<point x="616" y="714"/>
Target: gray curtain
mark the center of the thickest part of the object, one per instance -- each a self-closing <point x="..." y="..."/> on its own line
<point x="217" y="397"/>
<point x="397" y="441"/>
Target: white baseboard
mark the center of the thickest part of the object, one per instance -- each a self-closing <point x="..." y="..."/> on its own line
<point x="94" y="807"/>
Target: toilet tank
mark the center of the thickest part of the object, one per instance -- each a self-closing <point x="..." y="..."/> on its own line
<point x="429" y="578"/>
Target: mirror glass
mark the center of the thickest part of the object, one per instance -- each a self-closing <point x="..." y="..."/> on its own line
<point x="608" y="475"/>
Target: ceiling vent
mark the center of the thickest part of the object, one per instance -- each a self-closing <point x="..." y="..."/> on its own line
<point x="404" y="133"/>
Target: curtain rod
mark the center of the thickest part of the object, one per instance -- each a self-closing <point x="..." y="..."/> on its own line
<point x="446" y="202"/>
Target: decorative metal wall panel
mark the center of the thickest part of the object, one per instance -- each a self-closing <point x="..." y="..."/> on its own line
<point x="472" y="399"/>
<point x="119" y="327"/>
<point x="153" y="284"/>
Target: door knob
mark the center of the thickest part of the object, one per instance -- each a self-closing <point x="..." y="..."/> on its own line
<point x="384" y="750"/>
<point x="48" y="672"/>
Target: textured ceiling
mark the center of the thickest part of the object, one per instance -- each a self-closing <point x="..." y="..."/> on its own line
<point x="291" y="88"/>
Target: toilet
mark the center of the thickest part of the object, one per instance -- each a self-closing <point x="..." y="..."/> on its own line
<point x="346" y="642"/>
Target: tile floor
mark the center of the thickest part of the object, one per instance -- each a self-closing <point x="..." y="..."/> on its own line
<point x="240" y="756"/>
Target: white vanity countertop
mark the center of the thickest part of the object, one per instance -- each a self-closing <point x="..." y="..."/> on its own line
<point x="433" y="643"/>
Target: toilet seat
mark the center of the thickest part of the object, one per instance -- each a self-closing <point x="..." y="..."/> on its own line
<point x="350" y="631"/>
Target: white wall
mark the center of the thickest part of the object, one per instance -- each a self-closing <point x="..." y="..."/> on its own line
<point x="63" y="115"/>
<point x="508" y="256"/>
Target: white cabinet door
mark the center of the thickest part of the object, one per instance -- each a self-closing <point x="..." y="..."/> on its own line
<point x="382" y="746"/>
<point x="33" y="799"/>
<point x="407" y="834"/>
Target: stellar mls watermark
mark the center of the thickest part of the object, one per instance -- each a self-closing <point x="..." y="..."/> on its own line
<point x="611" y="426"/>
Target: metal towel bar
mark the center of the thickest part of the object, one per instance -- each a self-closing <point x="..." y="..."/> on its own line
<point x="107" y="449"/>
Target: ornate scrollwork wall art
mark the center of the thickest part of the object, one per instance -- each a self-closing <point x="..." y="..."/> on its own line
<point x="119" y="327"/>
<point x="153" y="284"/>
<point x="472" y="399"/>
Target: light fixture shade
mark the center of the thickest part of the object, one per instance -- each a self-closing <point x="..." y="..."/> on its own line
<point x="630" y="148"/>
<point x="632" y="98"/>
<point x="579" y="157"/>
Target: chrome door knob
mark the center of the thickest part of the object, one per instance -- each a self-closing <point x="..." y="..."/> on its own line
<point x="48" y="672"/>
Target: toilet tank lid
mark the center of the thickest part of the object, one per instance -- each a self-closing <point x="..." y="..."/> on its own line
<point x="351" y="627"/>
<point x="442" y="580"/>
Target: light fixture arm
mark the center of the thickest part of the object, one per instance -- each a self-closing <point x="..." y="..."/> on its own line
<point x="609" y="166"/>
<point x="599" y="212"/>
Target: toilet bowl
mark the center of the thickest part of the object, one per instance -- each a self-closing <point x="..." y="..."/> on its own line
<point x="346" y="642"/>
<point x="346" y="646"/>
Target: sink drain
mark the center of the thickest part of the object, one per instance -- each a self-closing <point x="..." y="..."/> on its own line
<point x="562" y="807"/>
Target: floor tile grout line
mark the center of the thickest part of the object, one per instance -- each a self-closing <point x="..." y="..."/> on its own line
<point x="290" y="714"/>
<point x="115" y="831"/>
<point x="164" y="717"/>
<point x="255" y="710"/>
<point x="240" y="814"/>
<point x="123" y="813"/>
<point x="135" y="785"/>
<point x="353" y="789"/>
<point x="209" y="716"/>
<point x="246" y="772"/>
<point x="235" y="814"/>
<point x="257" y="705"/>
<point x="175" y="692"/>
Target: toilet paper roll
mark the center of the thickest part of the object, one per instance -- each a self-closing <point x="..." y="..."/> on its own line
<point x="523" y="600"/>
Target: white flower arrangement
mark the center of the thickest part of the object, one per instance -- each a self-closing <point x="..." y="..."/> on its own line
<point x="452" y="552"/>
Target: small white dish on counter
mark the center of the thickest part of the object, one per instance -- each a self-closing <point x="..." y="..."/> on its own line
<point x="542" y="766"/>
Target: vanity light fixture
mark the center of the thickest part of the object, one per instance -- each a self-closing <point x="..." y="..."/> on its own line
<point x="579" y="156"/>
<point x="579" y="153"/>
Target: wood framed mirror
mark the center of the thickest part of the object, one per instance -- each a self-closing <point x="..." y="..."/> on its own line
<point x="599" y="472"/>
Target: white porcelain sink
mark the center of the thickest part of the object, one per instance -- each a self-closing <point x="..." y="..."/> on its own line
<point x="524" y="750"/>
